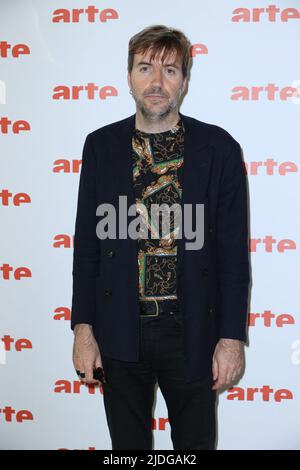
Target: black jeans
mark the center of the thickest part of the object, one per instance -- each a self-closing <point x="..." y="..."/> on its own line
<point x="129" y="392"/>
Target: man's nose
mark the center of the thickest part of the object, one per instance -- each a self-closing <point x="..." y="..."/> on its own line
<point x="157" y="77"/>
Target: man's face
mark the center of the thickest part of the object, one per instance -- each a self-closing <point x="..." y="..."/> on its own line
<point x="156" y="87"/>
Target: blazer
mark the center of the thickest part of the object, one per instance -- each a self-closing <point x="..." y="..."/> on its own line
<point x="212" y="282"/>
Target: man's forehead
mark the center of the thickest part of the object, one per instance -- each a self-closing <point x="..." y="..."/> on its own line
<point x="169" y="59"/>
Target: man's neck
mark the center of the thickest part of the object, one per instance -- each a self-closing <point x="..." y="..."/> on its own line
<point x="156" y="126"/>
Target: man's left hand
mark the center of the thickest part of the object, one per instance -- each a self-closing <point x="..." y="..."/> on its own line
<point x="228" y="362"/>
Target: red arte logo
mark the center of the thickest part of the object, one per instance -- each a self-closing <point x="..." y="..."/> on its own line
<point x="270" y="92"/>
<point x="62" y="313"/>
<point x="159" y="424"/>
<point x="75" y="92"/>
<point x="16" y="127"/>
<point x="8" y="272"/>
<point x="6" y="197"/>
<point x="9" y="414"/>
<point x="63" y="165"/>
<point x="265" y="393"/>
<point x="270" y="244"/>
<point x="91" y="14"/>
<point x="63" y="241"/>
<point x="8" y="50"/>
<point x="75" y="387"/>
<point x="15" y="344"/>
<point x="268" y="319"/>
<point x="271" y="14"/>
<point x="198" y="49"/>
<point x="270" y="167"/>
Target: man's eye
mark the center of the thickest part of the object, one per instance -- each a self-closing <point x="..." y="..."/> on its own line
<point x="172" y="71"/>
<point x="143" y="68"/>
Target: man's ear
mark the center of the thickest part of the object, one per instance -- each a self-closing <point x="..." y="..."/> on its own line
<point x="128" y="80"/>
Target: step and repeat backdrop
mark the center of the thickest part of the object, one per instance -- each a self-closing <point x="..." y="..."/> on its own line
<point x="63" y="74"/>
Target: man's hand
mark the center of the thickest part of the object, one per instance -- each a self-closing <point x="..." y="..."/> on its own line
<point x="228" y="361"/>
<point x="86" y="354"/>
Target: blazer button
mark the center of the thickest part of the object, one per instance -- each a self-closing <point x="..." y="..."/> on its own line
<point x="108" y="293"/>
<point x="205" y="272"/>
<point x="110" y="253"/>
<point x="211" y="230"/>
<point x="211" y="310"/>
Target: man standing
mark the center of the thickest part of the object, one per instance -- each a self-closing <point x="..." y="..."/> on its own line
<point x="157" y="309"/>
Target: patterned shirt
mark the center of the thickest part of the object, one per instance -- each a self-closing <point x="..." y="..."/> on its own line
<point x="157" y="166"/>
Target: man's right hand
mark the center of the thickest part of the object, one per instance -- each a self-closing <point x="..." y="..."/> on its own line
<point x="86" y="354"/>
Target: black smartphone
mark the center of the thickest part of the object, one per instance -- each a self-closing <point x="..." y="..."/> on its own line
<point x="98" y="374"/>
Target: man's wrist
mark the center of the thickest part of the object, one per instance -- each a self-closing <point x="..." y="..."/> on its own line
<point x="230" y="340"/>
<point x="83" y="327"/>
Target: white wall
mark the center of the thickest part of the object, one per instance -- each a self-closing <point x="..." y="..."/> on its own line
<point x="39" y="379"/>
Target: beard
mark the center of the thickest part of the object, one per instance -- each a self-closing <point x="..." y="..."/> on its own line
<point x="150" y="113"/>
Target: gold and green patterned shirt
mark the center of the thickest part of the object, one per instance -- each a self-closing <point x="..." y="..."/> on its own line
<point x="157" y="175"/>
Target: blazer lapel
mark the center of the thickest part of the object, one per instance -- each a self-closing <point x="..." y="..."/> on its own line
<point x="196" y="169"/>
<point x="122" y="158"/>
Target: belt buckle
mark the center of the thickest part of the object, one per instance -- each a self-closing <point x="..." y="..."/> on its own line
<point x="157" y="310"/>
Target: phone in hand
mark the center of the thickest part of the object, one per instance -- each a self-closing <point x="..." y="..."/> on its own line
<point x="98" y="374"/>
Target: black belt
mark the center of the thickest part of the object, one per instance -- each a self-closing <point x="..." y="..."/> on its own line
<point x="154" y="308"/>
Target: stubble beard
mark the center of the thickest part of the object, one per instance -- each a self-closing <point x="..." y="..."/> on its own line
<point x="152" y="115"/>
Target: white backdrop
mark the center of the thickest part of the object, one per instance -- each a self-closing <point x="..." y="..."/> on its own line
<point x="42" y="131"/>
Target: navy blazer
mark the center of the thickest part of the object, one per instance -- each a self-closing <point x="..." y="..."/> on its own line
<point x="212" y="282"/>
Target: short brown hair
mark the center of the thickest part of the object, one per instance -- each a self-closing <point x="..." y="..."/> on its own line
<point x="157" y="38"/>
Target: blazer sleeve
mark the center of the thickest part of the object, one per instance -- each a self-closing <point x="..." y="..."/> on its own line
<point x="86" y="253"/>
<point x="232" y="247"/>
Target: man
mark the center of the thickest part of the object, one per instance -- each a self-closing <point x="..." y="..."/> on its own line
<point x="155" y="310"/>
